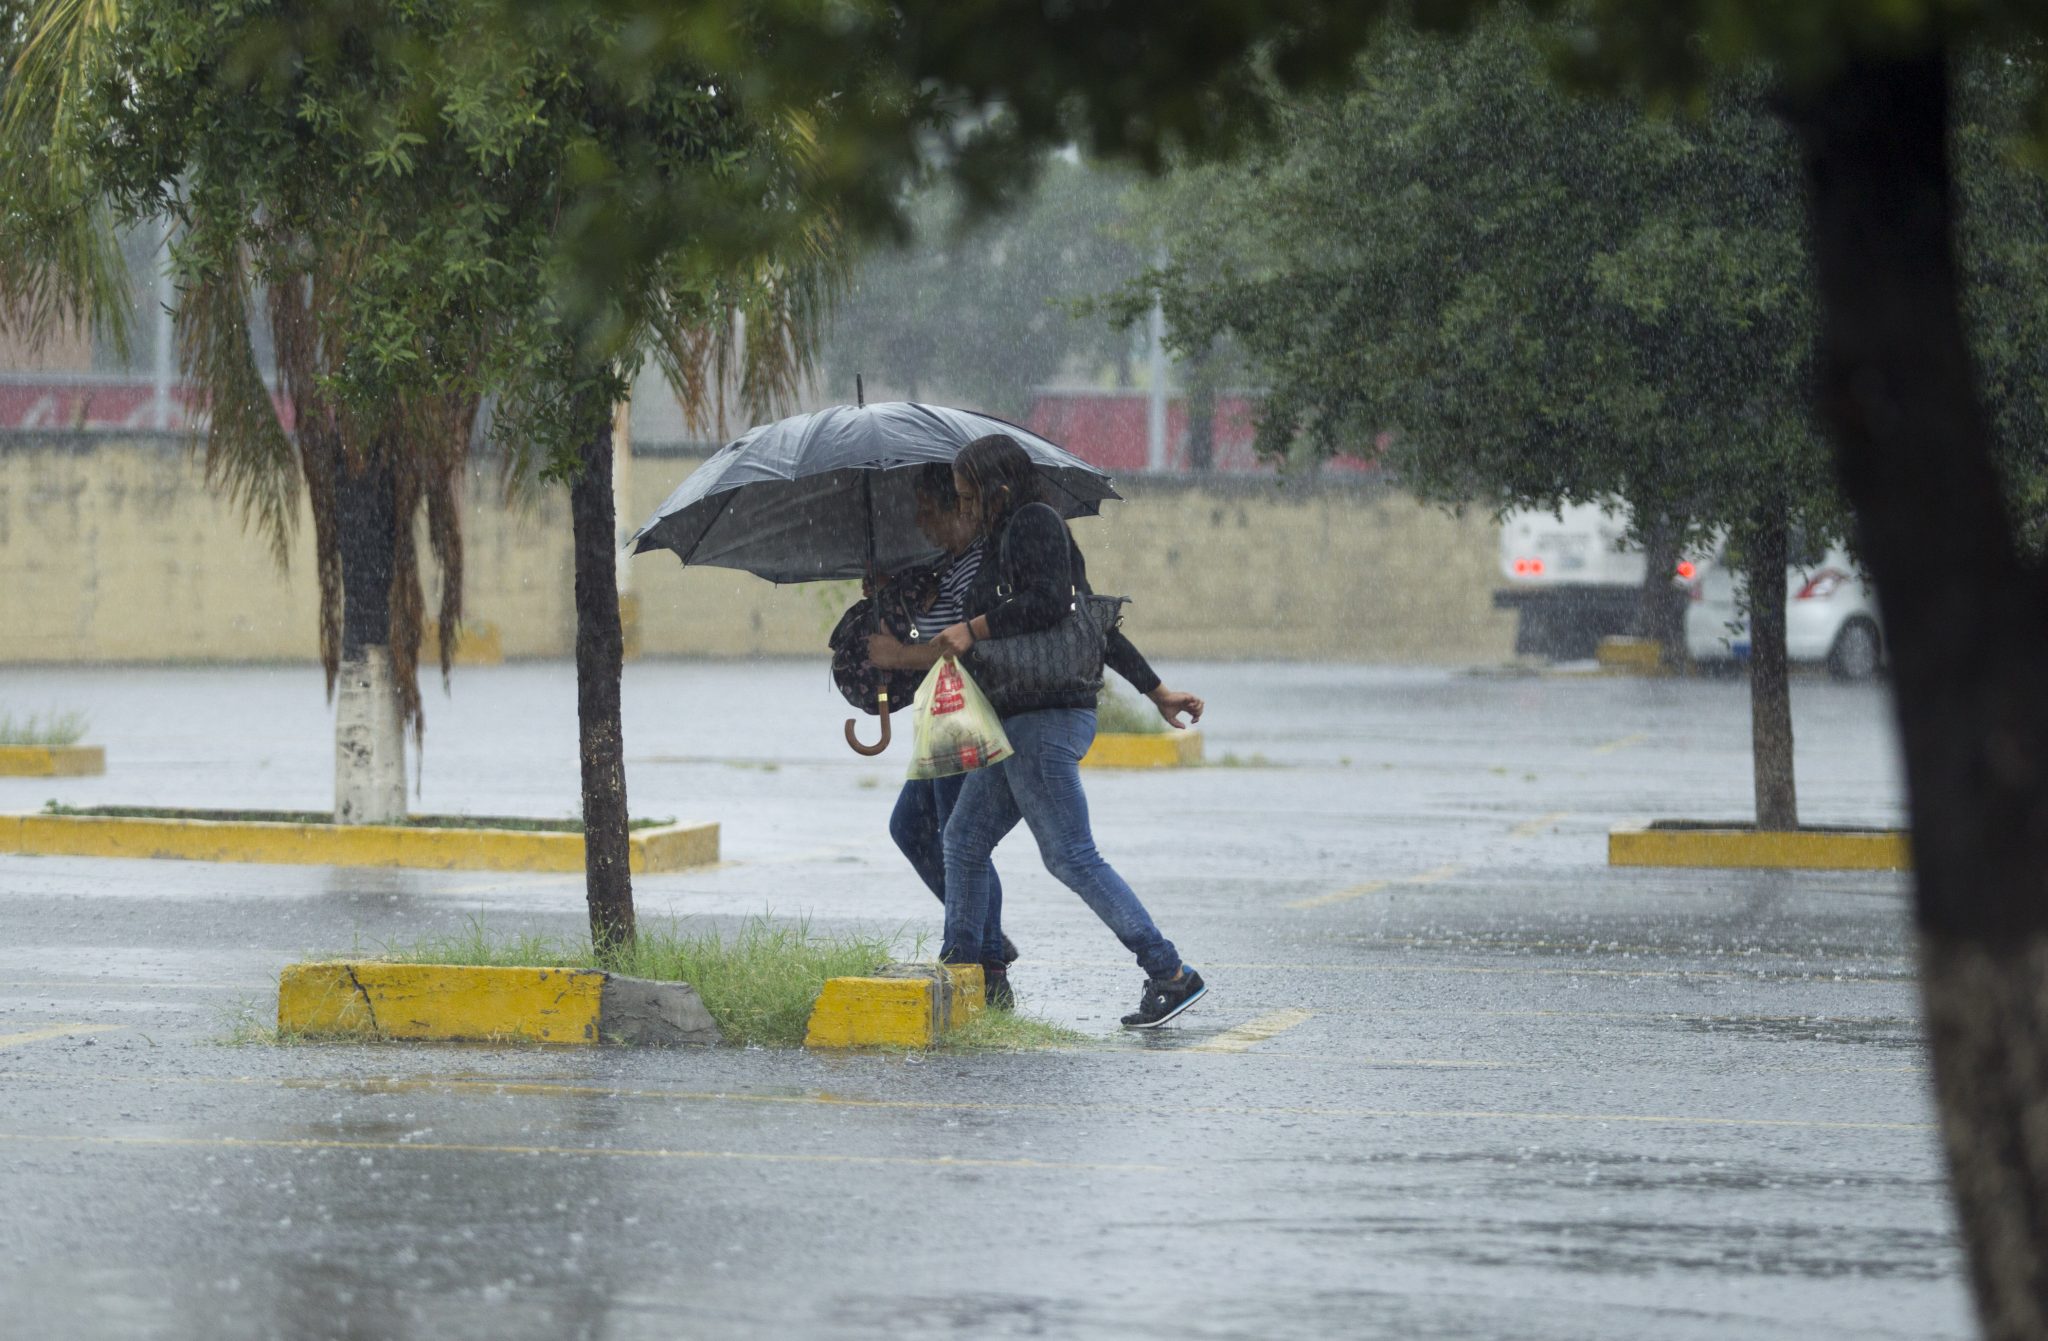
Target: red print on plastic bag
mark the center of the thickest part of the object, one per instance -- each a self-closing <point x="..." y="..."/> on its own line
<point x="970" y="757"/>
<point x="946" y="693"/>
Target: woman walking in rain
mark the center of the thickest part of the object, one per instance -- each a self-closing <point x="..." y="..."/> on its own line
<point x="924" y="804"/>
<point x="1027" y="584"/>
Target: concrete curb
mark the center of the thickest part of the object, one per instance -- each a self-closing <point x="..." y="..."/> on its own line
<point x="1686" y="843"/>
<point x="1156" y="749"/>
<point x="901" y="1006"/>
<point x="468" y="1003"/>
<point x="672" y="847"/>
<point x="52" y="761"/>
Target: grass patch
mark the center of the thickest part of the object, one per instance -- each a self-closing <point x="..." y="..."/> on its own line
<point x="56" y="728"/>
<point x="1118" y="714"/>
<point x="759" y="984"/>
<point x="503" y="822"/>
<point x="1011" y="1031"/>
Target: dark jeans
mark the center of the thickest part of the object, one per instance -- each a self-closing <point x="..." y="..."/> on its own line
<point x="1040" y="784"/>
<point x="918" y="824"/>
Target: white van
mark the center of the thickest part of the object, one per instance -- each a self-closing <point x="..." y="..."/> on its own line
<point x="1571" y="577"/>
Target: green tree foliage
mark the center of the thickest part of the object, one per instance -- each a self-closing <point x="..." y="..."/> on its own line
<point x="980" y="308"/>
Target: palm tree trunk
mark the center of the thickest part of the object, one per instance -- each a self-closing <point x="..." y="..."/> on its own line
<point x="1969" y="647"/>
<point x="600" y="653"/>
<point x="1770" y="690"/>
<point x="369" y="732"/>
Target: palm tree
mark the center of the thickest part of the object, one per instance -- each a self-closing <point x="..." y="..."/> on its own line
<point x="404" y="248"/>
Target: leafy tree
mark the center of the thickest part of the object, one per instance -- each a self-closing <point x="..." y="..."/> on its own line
<point x="1597" y="304"/>
<point x="397" y="185"/>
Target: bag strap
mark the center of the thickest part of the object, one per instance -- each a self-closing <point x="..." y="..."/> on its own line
<point x="1005" y="588"/>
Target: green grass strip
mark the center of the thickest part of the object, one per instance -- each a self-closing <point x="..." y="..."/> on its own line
<point x="1116" y="713"/>
<point x="1011" y="1031"/>
<point x="759" y="983"/>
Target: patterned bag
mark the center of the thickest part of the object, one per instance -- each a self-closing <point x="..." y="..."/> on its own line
<point x="858" y="680"/>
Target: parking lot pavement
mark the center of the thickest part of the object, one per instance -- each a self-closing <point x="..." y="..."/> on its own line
<point x="1456" y="1076"/>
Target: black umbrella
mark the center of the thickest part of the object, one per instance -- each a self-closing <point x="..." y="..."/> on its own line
<point x="828" y="495"/>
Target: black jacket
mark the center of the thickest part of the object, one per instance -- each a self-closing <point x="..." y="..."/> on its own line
<point x="1036" y="555"/>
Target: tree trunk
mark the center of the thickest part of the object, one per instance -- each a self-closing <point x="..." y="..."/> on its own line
<point x="1660" y="610"/>
<point x="1201" y="392"/>
<point x="369" y="735"/>
<point x="1770" y="690"/>
<point x="1968" y="638"/>
<point x="600" y="652"/>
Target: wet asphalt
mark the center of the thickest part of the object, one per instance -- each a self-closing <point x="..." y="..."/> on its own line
<point x="1456" y="1077"/>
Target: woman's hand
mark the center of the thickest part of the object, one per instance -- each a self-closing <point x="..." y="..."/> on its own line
<point x="953" y="641"/>
<point x="886" y="650"/>
<point x="1172" y="703"/>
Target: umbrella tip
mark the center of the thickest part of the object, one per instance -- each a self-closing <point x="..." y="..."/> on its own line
<point x="860" y="395"/>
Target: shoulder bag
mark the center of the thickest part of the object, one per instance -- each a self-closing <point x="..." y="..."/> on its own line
<point x="1050" y="665"/>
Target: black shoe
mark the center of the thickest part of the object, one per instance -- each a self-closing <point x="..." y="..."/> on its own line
<point x="996" y="994"/>
<point x="1165" y="998"/>
<point x="1009" y="952"/>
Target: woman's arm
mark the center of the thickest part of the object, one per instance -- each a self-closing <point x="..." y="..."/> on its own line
<point x="891" y="653"/>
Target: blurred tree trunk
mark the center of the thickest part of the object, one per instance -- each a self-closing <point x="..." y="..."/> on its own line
<point x="369" y="731"/>
<point x="1201" y="368"/>
<point x="1770" y="690"/>
<point x="1969" y="643"/>
<point x="1660" y="611"/>
<point x="600" y="654"/>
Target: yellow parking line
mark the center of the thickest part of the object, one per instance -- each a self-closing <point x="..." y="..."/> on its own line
<point x="1428" y="877"/>
<point x="54" y="1031"/>
<point x="1611" y="746"/>
<point x="549" y="1089"/>
<point x="614" y="1152"/>
<point x="1530" y="828"/>
<point x="1253" y="1031"/>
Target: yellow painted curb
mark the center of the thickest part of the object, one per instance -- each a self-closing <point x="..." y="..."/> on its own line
<point x="1802" y="850"/>
<point x="1157" y="749"/>
<point x="441" y="1001"/>
<point x="52" y="761"/>
<point x="1631" y="656"/>
<point x="672" y="847"/>
<point x="901" y="1006"/>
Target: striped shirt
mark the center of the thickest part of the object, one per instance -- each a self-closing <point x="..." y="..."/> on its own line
<point x="950" y="606"/>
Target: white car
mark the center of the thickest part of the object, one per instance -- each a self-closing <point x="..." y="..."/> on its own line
<point x="1830" y="615"/>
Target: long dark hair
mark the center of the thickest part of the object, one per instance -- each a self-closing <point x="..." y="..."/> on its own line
<point x="1001" y="472"/>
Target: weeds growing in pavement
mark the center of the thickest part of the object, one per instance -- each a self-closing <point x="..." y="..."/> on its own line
<point x="56" y="728"/>
<point x="1010" y="1031"/>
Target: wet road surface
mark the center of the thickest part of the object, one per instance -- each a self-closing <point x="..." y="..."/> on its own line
<point x="1456" y="1076"/>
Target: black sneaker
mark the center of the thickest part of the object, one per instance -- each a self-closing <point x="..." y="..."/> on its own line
<point x="1165" y="998"/>
<point x="996" y="992"/>
<point x="1009" y="952"/>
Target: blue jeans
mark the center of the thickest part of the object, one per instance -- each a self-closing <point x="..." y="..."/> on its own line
<point x="1040" y="784"/>
<point x="918" y="825"/>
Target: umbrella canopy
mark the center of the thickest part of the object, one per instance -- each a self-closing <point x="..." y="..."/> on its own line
<point x="828" y="495"/>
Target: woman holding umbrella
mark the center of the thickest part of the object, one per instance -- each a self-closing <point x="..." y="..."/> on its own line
<point x="1028" y="585"/>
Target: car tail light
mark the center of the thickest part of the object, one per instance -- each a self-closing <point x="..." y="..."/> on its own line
<point x="1686" y="570"/>
<point x="1529" y="567"/>
<point x="1821" y="585"/>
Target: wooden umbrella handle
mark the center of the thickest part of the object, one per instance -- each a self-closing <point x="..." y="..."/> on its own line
<point x="881" y="702"/>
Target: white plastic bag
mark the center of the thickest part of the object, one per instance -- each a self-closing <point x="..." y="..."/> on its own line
<point x="956" y="731"/>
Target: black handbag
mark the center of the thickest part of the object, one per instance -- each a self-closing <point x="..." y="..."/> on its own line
<point x="1051" y="665"/>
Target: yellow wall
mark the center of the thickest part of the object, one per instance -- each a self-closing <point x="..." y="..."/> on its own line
<point x="115" y="550"/>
